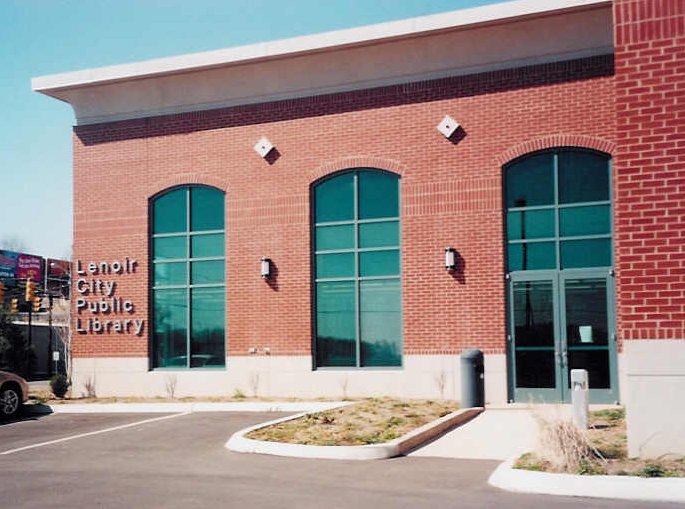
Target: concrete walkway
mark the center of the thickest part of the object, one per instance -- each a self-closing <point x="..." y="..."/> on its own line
<point x="496" y="434"/>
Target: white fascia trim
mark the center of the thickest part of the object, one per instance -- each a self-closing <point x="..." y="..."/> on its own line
<point x="412" y="27"/>
<point x="360" y="85"/>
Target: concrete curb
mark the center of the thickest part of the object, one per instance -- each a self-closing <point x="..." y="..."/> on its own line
<point x="399" y="446"/>
<point x="240" y="406"/>
<point x="600" y="486"/>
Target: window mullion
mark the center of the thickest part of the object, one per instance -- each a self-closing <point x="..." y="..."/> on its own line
<point x="557" y="244"/>
<point x="357" y="298"/>
<point x="188" y="279"/>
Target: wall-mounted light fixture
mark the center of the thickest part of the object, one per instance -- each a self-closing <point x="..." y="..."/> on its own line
<point x="263" y="146"/>
<point x="448" y="126"/>
<point x="266" y="268"/>
<point x="450" y="258"/>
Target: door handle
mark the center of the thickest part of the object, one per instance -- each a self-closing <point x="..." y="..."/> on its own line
<point x="564" y="357"/>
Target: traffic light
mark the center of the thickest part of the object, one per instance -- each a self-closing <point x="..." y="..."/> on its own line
<point x="36" y="303"/>
<point x="30" y="290"/>
<point x="2" y="292"/>
<point x="14" y="306"/>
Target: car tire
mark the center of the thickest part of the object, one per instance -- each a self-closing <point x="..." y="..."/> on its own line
<point x="10" y="401"/>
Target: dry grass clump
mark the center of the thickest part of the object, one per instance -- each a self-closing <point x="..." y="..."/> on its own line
<point x="602" y="449"/>
<point x="371" y="421"/>
<point x="564" y="447"/>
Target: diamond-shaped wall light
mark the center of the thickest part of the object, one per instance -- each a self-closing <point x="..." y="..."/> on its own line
<point x="263" y="146"/>
<point x="448" y="126"/>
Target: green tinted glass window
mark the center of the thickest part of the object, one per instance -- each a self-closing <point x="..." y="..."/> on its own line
<point x="335" y="237"/>
<point x="381" y="322"/>
<point x="382" y="234"/>
<point x="336" y="324"/>
<point x="170" y="328"/>
<point x="592" y="220"/>
<point x="379" y="263"/>
<point x="586" y="318"/>
<point x="533" y="299"/>
<point x="530" y="224"/>
<point x="188" y="326"/>
<point x="170" y="274"/>
<point x="206" y="209"/>
<point x="207" y="327"/>
<point x="365" y="203"/>
<point x="207" y="246"/>
<point x="585" y="253"/>
<point x="207" y="272"/>
<point x="170" y="212"/>
<point x="532" y="256"/>
<point x="170" y="247"/>
<point x="583" y="177"/>
<point x="334" y="199"/>
<point x="335" y="265"/>
<point x="378" y="195"/>
<point x="553" y="196"/>
<point x="530" y="182"/>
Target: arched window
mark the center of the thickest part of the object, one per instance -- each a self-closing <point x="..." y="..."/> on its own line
<point x="558" y="211"/>
<point x="356" y="237"/>
<point x="188" y="278"/>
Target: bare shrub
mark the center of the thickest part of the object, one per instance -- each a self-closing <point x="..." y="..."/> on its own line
<point x="441" y="382"/>
<point x="89" y="387"/>
<point x="170" y="382"/>
<point x="344" y="383"/>
<point x="254" y="383"/>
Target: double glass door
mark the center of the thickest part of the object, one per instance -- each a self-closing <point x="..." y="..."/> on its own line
<point x="559" y="321"/>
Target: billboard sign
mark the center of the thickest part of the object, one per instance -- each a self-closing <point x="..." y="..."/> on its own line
<point x="29" y="266"/>
<point x="8" y="267"/>
<point x="58" y="275"/>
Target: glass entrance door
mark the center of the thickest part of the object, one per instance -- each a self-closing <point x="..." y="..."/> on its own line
<point x="588" y="337"/>
<point x="534" y="335"/>
<point x="559" y="322"/>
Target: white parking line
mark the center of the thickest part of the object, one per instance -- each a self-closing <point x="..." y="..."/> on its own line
<point x="90" y="433"/>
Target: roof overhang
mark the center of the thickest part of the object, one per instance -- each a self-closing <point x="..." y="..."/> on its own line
<point x="491" y="37"/>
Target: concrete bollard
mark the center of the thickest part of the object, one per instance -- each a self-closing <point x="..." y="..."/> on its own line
<point x="580" y="397"/>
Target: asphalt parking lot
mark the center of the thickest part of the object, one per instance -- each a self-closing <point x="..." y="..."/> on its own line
<point x="178" y="460"/>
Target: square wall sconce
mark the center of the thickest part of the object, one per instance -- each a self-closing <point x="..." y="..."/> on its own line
<point x="448" y="126"/>
<point x="263" y="146"/>
<point x="266" y="268"/>
<point x="450" y="258"/>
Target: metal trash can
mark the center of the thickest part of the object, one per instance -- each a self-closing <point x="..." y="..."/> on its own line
<point x="472" y="379"/>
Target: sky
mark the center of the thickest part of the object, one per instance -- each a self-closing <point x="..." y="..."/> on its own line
<point x="41" y="37"/>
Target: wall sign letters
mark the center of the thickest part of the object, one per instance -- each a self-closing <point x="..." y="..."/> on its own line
<point x="96" y="296"/>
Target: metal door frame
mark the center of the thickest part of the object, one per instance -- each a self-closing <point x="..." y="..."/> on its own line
<point x="561" y="393"/>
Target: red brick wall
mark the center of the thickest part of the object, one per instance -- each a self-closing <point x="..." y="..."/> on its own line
<point x="450" y="191"/>
<point x="650" y="167"/>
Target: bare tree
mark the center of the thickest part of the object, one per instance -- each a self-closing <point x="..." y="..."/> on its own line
<point x="13" y="243"/>
<point x="63" y="332"/>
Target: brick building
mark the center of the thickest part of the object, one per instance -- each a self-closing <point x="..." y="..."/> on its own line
<point x="561" y="196"/>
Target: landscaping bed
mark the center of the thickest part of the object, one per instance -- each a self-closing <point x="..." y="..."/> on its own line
<point x="48" y="398"/>
<point x="601" y="450"/>
<point x="371" y="421"/>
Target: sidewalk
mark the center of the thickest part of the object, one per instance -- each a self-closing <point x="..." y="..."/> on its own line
<point x="496" y="434"/>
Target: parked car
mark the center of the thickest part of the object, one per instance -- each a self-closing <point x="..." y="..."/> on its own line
<point x="14" y="391"/>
